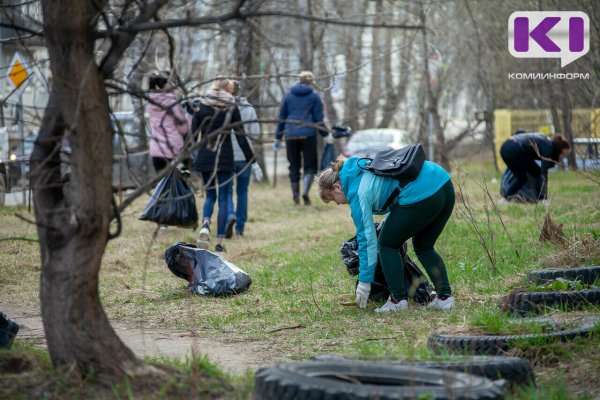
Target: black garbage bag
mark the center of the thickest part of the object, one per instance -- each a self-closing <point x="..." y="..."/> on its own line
<point x="212" y="275"/>
<point x="528" y="192"/>
<point x="416" y="284"/>
<point x="172" y="202"/>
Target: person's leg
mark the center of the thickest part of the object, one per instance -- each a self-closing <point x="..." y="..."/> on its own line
<point x="243" y="181"/>
<point x="309" y="152"/>
<point x="294" y="155"/>
<point x="402" y="223"/>
<point x="424" y="241"/>
<point x="210" y="185"/>
<point x="224" y="183"/>
<point x="513" y="157"/>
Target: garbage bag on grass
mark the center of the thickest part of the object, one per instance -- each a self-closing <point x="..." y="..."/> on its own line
<point x="172" y="202"/>
<point x="416" y="284"/>
<point x="208" y="274"/>
<point x="528" y="192"/>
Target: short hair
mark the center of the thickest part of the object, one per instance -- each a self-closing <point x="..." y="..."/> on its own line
<point x="220" y="83"/>
<point x="157" y="81"/>
<point x="306" y="77"/>
<point x="236" y="87"/>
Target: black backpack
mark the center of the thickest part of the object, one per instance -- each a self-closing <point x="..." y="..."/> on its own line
<point x="403" y="164"/>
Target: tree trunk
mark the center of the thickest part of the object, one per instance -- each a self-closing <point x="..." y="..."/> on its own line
<point x="73" y="217"/>
<point x="375" y="92"/>
<point x="248" y="62"/>
<point x="567" y="114"/>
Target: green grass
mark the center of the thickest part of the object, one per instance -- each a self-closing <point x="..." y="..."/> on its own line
<point x="292" y="255"/>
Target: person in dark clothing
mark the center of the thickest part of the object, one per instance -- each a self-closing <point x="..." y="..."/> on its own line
<point x="8" y="331"/>
<point x="521" y="151"/>
<point x="214" y="120"/>
<point x="301" y="104"/>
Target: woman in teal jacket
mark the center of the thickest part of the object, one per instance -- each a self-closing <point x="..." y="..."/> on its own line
<point x="420" y="210"/>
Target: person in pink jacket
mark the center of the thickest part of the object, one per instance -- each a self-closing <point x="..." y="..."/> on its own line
<point x="167" y="122"/>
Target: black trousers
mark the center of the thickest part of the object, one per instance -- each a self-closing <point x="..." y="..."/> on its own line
<point x="521" y="164"/>
<point x="299" y="152"/>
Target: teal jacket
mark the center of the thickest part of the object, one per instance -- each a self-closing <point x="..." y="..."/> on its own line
<point x="367" y="193"/>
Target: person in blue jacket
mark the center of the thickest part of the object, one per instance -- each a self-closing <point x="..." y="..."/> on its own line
<point x="419" y="211"/>
<point x="300" y="111"/>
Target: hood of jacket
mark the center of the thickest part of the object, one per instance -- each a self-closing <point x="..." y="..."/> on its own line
<point x="217" y="98"/>
<point x="301" y="89"/>
<point x="160" y="101"/>
<point x="349" y="176"/>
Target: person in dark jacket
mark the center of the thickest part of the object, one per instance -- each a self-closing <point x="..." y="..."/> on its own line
<point x="521" y="151"/>
<point x="301" y="104"/>
<point x="214" y="121"/>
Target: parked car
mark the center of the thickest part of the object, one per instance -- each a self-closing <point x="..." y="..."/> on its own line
<point x="367" y="142"/>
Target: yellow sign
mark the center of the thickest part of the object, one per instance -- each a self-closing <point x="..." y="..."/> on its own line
<point x="18" y="73"/>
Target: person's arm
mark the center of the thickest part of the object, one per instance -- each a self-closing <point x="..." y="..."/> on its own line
<point x="283" y="115"/>
<point x="252" y="128"/>
<point x="240" y="135"/>
<point x="366" y="236"/>
<point x="317" y="114"/>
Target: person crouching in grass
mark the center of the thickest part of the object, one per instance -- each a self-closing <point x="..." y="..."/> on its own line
<point x="420" y="211"/>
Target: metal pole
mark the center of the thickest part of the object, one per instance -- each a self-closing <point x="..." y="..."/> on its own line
<point x="22" y="134"/>
<point x="430" y="136"/>
<point x="275" y="169"/>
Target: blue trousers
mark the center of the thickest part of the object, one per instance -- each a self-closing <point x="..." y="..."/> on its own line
<point x="216" y="188"/>
<point x="240" y="213"/>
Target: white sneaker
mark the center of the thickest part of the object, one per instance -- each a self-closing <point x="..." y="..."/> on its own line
<point x="443" y="305"/>
<point x="392" y="306"/>
<point x="203" y="237"/>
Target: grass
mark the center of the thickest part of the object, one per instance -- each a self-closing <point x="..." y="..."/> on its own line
<point x="292" y="255"/>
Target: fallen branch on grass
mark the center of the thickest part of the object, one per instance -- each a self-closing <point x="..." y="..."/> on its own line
<point x="285" y="328"/>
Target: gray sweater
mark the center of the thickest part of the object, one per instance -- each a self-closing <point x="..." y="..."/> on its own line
<point x="252" y="129"/>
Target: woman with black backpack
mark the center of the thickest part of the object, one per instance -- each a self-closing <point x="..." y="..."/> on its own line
<point x="417" y="209"/>
<point x="215" y="119"/>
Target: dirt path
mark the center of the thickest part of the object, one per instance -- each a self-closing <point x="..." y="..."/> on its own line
<point x="233" y="357"/>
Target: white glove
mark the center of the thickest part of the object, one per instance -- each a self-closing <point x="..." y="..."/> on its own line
<point x="257" y="171"/>
<point x="328" y="139"/>
<point x="362" y="294"/>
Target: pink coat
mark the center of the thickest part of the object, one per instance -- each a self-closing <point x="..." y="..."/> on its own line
<point x="168" y="124"/>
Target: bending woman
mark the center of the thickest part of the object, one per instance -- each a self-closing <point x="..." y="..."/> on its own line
<point x="419" y="210"/>
<point x="521" y="151"/>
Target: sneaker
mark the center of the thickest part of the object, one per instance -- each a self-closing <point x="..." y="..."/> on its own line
<point x="229" y="227"/>
<point x="392" y="306"/>
<point x="444" y="305"/>
<point x="8" y="331"/>
<point x="306" y="200"/>
<point x="220" y="248"/>
<point x="203" y="237"/>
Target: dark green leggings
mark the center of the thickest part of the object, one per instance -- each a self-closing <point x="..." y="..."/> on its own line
<point x="424" y="222"/>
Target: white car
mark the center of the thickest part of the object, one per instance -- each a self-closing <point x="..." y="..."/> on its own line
<point x="366" y="143"/>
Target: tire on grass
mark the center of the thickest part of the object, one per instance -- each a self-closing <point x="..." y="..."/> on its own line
<point x="587" y="275"/>
<point x="522" y="303"/>
<point x="359" y="380"/>
<point x="514" y="370"/>
<point x="495" y="345"/>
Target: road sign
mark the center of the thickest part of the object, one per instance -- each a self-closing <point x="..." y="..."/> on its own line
<point x="18" y="73"/>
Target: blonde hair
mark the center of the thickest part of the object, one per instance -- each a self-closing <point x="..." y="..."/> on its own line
<point x="220" y="83"/>
<point x="306" y="77"/>
<point x="329" y="176"/>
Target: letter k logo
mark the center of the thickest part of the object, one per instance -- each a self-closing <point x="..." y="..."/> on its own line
<point x="539" y="34"/>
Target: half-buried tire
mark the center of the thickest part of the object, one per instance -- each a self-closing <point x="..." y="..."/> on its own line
<point x="514" y="370"/>
<point x="523" y="303"/>
<point x="587" y="275"/>
<point x="493" y="345"/>
<point x="359" y="380"/>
